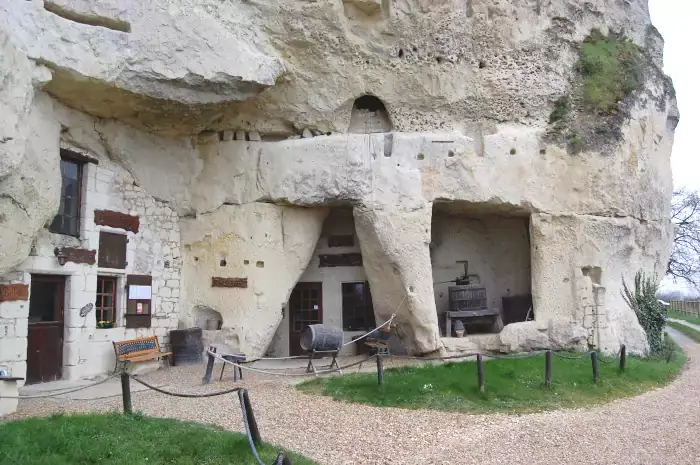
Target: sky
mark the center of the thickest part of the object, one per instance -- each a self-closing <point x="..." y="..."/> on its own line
<point x="678" y="21"/>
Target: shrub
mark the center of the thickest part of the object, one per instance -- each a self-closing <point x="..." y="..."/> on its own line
<point x="561" y="110"/>
<point x="611" y="67"/>
<point x="650" y="313"/>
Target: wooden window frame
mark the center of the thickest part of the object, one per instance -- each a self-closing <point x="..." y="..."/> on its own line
<point x="368" y="310"/>
<point x="101" y="263"/>
<point x="68" y="157"/>
<point x="100" y="294"/>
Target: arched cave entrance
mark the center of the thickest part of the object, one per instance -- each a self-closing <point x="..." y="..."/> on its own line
<point x="369" y="115"/>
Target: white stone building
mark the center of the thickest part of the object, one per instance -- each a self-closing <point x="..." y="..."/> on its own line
<point x="109" y="233"/>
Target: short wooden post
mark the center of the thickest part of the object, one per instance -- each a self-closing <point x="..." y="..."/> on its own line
<point x="380" y="369"/>
<point x="210" y="366"/>
<point x="548" y="368"/>
<point x="594" y="362"/>
<point x="126" y="393"/>
<point x="252" y="424"/>
<point x="480" y="371"/>
<point x="623" y="357"/>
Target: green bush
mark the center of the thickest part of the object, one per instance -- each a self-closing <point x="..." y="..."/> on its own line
<point x="650" y="313"/>
<point x="561" y="110"/>
<point x="611" y="67"/>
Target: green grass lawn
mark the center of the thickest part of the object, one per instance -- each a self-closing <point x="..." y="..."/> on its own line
<point x="125" y="440"/>
<point x="511" y="386"/>
<point x="687" y="330"/>
<point x="681" y="316"/>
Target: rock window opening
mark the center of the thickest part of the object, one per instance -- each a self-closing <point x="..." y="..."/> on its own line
<point x="369" y="115"/>
<point x="490" y="245"/>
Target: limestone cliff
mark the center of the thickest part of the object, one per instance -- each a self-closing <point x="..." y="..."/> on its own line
<point x="216" y="106"/>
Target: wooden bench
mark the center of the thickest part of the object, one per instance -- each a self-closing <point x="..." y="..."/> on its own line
<point x="138" y="350"/>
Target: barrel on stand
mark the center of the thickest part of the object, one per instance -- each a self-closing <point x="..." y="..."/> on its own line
<point x="321" y="339"/>
<point x="186" y="346"/>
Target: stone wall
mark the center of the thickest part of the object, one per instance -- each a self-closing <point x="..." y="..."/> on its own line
<point x="154" y="251"/>
<point x="13" y="329"/>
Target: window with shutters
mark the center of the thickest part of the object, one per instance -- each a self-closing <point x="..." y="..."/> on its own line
<point x="106" y="300"/>
<point x="358" y="313"/>
<point x="67" y="220"/>
<point x="112" y="252"/>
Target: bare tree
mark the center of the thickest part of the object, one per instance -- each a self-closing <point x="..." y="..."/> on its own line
<point x="684" y="263"/>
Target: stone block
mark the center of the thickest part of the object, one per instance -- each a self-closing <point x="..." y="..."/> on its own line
<point x="13" y="349"/>
<point x="21" y="327"/>
<point x="240" y="135"/>
<point x="254" y="136"/>
<point x="8" y="390"/>
<point x="12" y="310"/>
<point x="7" y="328"/>
<point x="173" y="283"/>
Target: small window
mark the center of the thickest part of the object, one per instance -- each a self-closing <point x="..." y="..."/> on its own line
<point x="106" y="300"/>
<point x="358" y="313"/>
<point x="112" y="252"/>
<point x="67" y="220"/>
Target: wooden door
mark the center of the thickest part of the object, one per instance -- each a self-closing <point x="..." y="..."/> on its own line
<point x="305" y="308"/>
<point x="45" y="334"/>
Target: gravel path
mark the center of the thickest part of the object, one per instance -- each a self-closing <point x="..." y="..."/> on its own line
<point x="679" y="337"/>
<point x="659" y="427"/>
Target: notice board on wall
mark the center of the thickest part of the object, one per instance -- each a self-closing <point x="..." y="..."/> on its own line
<point x="138" y="303"/>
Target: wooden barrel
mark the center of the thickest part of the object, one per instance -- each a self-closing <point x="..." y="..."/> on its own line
<point x="186" y="345"/>
<point x="467" y="298"/>
<point x="321" y="338"/>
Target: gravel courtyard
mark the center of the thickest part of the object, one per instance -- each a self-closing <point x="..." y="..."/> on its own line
<point x="659" y="427"/>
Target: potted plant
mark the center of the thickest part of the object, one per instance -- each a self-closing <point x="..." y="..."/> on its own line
<point x="105" y="324"/>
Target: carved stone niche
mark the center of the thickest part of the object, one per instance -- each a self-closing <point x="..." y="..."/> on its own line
<point x="229" y="282"/>
<point x="117" y="220"/>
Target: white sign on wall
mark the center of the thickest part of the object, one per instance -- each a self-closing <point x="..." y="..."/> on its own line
<point x="139" y="292"/>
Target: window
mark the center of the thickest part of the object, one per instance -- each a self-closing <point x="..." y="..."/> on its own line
<point x="67" y="221"/>
<point x="358" y="313"/>
<point x="112" y="252"/>
<point x="106" y="300"/>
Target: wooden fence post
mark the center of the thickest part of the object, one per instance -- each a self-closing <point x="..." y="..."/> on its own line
<point x="594" y="362"/>
<point x="480" y="371"/>
<point x="210" y="366"/>
<point x="380" y="369"/>
<point x="250" y="416"/>
<point x="548" y="368"/>
<point x="126" y="393"/>
<point x="623" y="357"/>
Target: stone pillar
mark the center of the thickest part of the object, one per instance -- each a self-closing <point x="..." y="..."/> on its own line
<point x="396" y="258"/>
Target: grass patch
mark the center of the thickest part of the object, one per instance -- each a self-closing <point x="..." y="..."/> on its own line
<point x="611" y="67"/>
<point x="124" y="440"/>
<point x="512" y="386"/>
<point x="687" y="330"/>
<point x="682" y="316"/>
